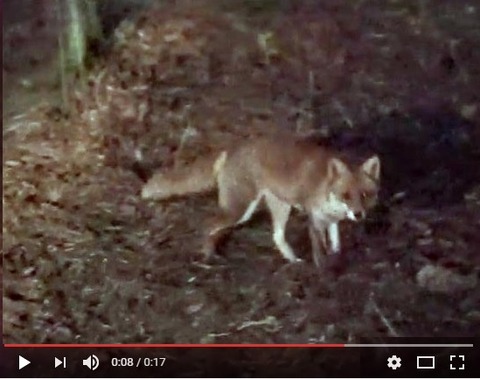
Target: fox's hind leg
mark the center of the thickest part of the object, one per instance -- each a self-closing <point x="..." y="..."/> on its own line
<point x="218" y="227"/>
<point x="237" y="205"/>
<point x="280" y="212"/>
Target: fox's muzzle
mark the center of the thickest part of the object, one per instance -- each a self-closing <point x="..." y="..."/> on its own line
<point x="356" y="215"/>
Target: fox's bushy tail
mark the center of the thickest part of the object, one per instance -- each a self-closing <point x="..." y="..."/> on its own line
<point x="200" y="176"/>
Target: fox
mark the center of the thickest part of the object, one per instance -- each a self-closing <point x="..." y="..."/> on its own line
<point x="285" y="173"/>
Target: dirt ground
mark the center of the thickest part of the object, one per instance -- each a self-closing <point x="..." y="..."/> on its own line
<point x="86" y="260"/>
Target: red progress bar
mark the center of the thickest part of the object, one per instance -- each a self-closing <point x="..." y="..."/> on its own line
<point x="156" y="345"/>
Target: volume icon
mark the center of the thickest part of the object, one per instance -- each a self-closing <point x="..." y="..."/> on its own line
<point x="61" y="362"/>
<point x="91" y="362"/>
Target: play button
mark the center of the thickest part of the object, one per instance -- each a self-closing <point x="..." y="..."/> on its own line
<point x="22" y="362"/>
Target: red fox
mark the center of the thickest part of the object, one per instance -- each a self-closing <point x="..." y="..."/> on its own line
<point x="284" y="172"/>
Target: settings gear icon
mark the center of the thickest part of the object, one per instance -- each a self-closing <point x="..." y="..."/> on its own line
<point x="394" y="362"/>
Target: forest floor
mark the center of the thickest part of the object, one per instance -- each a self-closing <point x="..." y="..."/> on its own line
<point x="86" y="260"/>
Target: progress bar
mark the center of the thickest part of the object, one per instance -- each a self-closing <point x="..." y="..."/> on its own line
<point x="408" y="345"/>
<point x="338" y="345"/>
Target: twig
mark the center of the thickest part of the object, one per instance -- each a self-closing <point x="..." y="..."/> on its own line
<point x="268" y="321"/>
<point x="188" y="132"/>
<point x="385" y="321"/>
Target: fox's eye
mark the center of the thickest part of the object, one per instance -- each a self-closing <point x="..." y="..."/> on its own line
<point x="346" y="196"/>
<point x="368" y="195"/>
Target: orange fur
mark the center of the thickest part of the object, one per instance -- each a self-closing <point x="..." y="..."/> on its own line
<point x="285" y="173"/>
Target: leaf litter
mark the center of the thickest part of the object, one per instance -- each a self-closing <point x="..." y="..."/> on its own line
<point x="87" y="260"/>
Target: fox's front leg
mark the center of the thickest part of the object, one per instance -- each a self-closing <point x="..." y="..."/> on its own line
<point x="280" y="212"/>
<point x="326" y="234"/>
<point x="333" y="238"/>
<point x="317" y="237"/>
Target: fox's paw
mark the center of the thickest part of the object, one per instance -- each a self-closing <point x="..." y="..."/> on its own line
<point x="208" y="251"/>
<point x="295" y="260"/>
<point x="333" y="251"/>
<point x="319" y="259"/>
<point x="209" y="257"/>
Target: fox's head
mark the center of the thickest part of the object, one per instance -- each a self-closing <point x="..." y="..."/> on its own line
<point x="351" y="193"/>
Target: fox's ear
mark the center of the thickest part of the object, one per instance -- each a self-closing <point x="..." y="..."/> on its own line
<point x="371" y="167"/>
<point x="336" y="168"/>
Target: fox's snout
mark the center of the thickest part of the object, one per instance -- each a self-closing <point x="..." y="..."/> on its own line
<point x="356" y="215"/>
